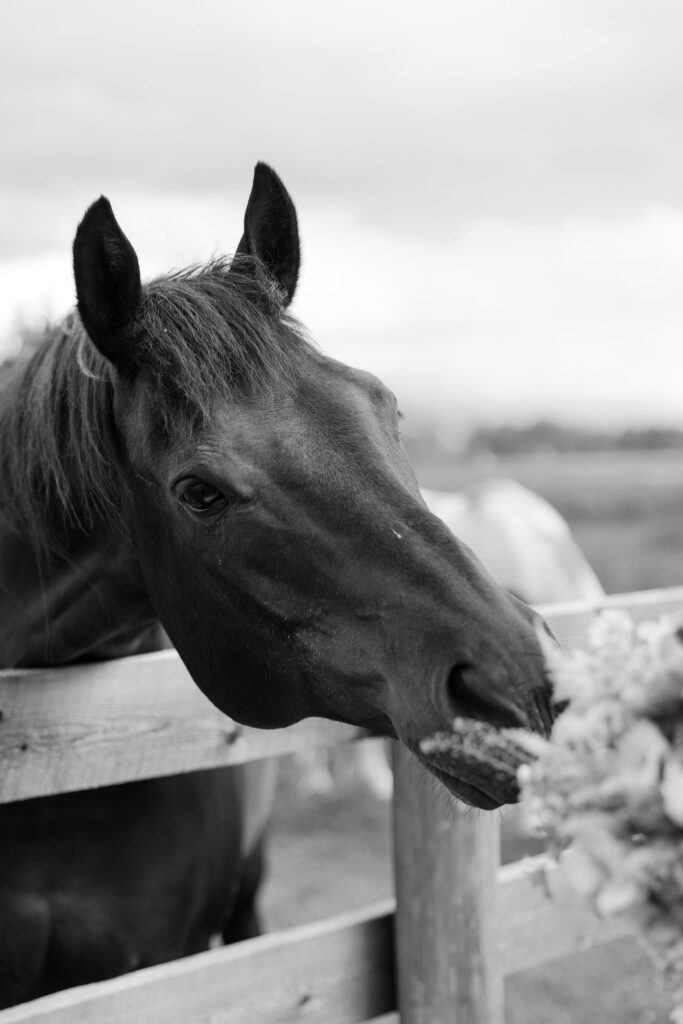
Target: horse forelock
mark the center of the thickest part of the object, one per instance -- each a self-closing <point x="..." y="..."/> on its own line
<point x="216" y="326"/>
<point x="200" y="333"/>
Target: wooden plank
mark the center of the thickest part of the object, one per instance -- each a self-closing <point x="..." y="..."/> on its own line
<point x="570" y="620"/>
<point x="541" y="917"/>
<point x="92" y="725"/>
<point x="338" y="971"/>
<point x="446" y="937"/>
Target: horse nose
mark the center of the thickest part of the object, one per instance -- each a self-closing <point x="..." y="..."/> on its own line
<point x="544" y="708"/>
<point x="468" y="692"/>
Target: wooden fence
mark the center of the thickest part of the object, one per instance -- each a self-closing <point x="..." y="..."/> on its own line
<point x="441" y="952"/>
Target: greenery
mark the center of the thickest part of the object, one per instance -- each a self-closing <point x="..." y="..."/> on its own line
<point x="548" y="436"/>
<point x="542" y="436"/>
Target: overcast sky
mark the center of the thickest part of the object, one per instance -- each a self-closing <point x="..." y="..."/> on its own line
<point x="490" y="194"/>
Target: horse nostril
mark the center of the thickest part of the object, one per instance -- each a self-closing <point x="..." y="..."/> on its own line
<point x="470" y="696"/>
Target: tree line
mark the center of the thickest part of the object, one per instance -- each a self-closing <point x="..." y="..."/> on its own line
<point x="545" y="435"/>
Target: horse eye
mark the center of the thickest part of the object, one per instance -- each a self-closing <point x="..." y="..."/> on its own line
<point x="203" y="498"/>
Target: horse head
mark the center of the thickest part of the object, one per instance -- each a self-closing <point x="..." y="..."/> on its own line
<point x="278" y="523"/>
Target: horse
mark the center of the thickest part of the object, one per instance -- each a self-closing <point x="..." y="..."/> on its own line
<point x="528" y="548"/>
<point x="178" y="454"/>
<point x="522" y="540"/>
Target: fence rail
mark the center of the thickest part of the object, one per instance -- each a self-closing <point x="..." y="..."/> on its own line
<point x="85" y="726"/>
<point x="337" y="971"/>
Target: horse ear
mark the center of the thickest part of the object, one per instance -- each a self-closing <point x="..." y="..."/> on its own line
<point x="108" y="286"/>
<point x="271" y="234"/>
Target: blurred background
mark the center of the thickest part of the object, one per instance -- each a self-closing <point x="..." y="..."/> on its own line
<point x="490" y="194"/>
<point x="490" y="199"/>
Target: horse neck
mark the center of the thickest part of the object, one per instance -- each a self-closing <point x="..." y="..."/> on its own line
<point x="87" y="603"/>
<point x="89" y="600"/>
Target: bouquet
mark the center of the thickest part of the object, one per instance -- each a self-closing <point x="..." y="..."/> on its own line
<point x="607" y="786"/>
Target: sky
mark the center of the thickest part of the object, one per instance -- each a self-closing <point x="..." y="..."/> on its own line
<point x="490" y="194"/>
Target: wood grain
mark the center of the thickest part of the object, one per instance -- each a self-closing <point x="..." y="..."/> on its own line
<point x="341" y="970"/>
<point x="92" y="725"/>
<point x="338" y="971"/>
<point x="542" y="919"/>
<point x="446" y="940"/>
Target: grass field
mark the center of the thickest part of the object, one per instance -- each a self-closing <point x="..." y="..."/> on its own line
<point x="334" y="853"/>
<point x="625" y="509"/>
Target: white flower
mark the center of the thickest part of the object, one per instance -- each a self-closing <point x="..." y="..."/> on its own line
<point x="661" y="691"/>
<point x="608" y="784"/>
<point x="585" y="874"/>
<point x="621" y="896"/>
<point x="606" y="720"/>
<point x="641" y="751"/>
<point x="659" y="636"/>
<point x="531" y="742"/>
<point x="596" y="833"/>
<point x="671" y="789"/>
<point x="611" y="630"/>
<point x="572" y="731"/>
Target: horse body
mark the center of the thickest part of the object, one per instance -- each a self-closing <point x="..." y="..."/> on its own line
<point x="178" y="453"/>
<point x="98" y="883"/>
<point x="87" y="604"/>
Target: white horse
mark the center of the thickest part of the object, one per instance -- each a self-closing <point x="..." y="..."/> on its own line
<point x="522" y="540"/>
<point x="527" y="547"/>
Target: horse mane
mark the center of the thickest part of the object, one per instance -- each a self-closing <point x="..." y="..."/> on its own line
<point x="211" y="329"/>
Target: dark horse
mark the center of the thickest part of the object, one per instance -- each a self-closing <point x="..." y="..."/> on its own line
<point x="179" y="453"/>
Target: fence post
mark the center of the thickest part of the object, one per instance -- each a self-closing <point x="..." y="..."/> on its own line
<point x="446" y="860"/>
